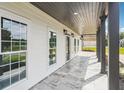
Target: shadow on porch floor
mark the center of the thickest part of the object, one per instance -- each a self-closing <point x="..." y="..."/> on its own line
<point x="82" y="72"/>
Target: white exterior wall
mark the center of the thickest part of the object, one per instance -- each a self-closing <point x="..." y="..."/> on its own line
<point x="37" y="40"/>
<point x="80" y="45"/>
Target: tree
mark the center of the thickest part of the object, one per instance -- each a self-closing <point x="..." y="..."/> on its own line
<point x="121" y="35"/>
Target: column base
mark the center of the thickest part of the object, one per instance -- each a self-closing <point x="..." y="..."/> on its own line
<point x="103" y="72"/>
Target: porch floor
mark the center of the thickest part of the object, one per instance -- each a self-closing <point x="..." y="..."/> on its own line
<point x="81" y="73"/>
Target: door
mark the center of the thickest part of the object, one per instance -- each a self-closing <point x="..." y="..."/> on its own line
<point x="67" y="48"/>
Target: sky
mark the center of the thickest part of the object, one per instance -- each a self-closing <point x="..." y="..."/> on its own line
<point x="121" y="17"/>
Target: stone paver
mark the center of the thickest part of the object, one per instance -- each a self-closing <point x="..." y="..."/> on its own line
<point x="83" y="72"/>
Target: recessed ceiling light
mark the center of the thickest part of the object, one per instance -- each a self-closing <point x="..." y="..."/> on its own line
<point x="75" y="13"/>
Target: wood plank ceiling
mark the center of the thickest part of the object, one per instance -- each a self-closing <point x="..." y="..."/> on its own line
<point x="85" y="22"/>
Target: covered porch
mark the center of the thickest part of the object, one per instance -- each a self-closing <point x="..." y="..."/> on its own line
<point x="49" y="42"/>
<point x="88" y="19"/>
<point x="81" y="73"/>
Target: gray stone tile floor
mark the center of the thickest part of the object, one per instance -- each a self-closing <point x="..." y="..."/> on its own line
<point x="82" y="72"/>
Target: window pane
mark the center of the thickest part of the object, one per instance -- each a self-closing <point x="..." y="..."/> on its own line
<point x="22" y="65"/>
<point x="22" y="57"/>
<point x="23" y="69"/>
<point x="14" y="78"/>
<point x="51" y="62"/>
<point x="15" y="31"/>
<point x="22" y="72"/>
<point x="14" y="72"/>
<point x="23" y="45"/>
<point x="4" y="76"/>
<point x="52" y="51"/>
<point x="6" y="46"/>
<point x="52" y="45"/>
<point x="23" y="32"/>
<point x="23" y="37"/>
<point x="4" y="59"/>
<point x="15" y="46"/>
<point x="14" y="67"/>
<point x="52" y="57"/>
<point x="6" y="35"/>
<point x="52" y="39"/>
<point x="6" y="29"/>
<point x="6" y="24"/>
<point x="14" y="58"/>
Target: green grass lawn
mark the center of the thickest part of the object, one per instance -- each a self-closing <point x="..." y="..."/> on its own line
<point x="89" y="49"/>
<point x="121" y="50"/>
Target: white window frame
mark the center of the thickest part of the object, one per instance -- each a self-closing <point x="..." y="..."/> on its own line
<point x="13" y="16"/>
<point x="50" y="29"/>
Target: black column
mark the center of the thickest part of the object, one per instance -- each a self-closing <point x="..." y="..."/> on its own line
<point x="82" y="42"/>
<point x="113" y="32"/>
<point x="102" y="45"/>
<point x="98" y="45"/>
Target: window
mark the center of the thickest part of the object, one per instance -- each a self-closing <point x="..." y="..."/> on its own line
<point x="13" y="52"/>
<point x="75" y="45"/>
<point x="52" y="47"/>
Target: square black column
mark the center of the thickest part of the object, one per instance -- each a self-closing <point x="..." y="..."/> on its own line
<point x="102" y="45"/>
<point x="98" y="45"/>
<point x="113" y="32"/>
